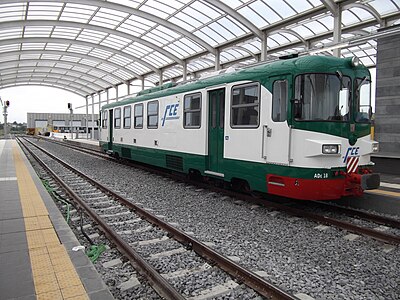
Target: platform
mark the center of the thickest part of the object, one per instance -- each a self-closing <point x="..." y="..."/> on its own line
<point x="36" y="257"/>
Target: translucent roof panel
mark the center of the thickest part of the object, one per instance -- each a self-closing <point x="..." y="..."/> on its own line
<point x="118" y="41"/>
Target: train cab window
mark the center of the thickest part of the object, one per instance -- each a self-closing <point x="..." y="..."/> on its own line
<point x="279" y="100"/>
<point x="192" y="111"/>
<point x="117" y="118"/>
<point x="138" y="116"/>
<point x="127" y="116"/>
<point x="152" y="114"/>
<point x="104" y="120"/>
<point x="245" y="106"/>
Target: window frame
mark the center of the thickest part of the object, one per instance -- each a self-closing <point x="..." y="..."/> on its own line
<point x="151" y="115"/>
<point x="104" y="119"/>
<point x="125" y="118"/>
<point x="138" y="116"/>
<point x="117" y="118"/>
<point x="254" y="83"/>
<point x="186" y="111"/>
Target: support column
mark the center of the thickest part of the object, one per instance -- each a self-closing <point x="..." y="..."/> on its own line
<point x="108" y="95"/>
<point x="116" y="93"/>
<point x="263" y="55"/>
<point x="337" y="30"/>
<point x="184" y="72"/>
<point x="142" y="83"/>
<point x="87" y="117"/>
<point x="161" y="78"/>
<point x="128" y="83"/>
<point x="92" y="136"/>
<point x="217" y="60"/>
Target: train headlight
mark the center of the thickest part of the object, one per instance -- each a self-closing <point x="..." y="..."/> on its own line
<point x="330" y="149"/>
<point x="375" y="147"/>
<point x="355" y="61"/>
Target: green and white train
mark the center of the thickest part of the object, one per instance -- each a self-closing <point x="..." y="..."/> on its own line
<point x="298" y="128"/>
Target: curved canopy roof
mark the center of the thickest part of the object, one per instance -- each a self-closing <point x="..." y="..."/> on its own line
<point x="89" y="46"/>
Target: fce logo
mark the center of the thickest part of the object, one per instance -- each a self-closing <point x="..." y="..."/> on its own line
<point x="170" y="113"/>
<point x="351" y="152"/>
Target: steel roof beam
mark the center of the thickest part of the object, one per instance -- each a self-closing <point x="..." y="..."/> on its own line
<point x="369" y="9"/>
<point x="331" y="6"/>
<point x="61" y="87"/>
<point x="132" y="11"/>
<point x="106" y="83"/>
<point x="62" y="77"/>
<point x="72" y="54"/>
<point x="46" y="70"/>
<point x="10" y="24"/>
<point x="237" y="16"/>
<point x="41" y="40"/>
<point x="85" y="90"/>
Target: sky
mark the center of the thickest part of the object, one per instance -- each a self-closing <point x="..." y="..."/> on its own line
<point x="37" y="99"/>
<point x="24" y="99"/>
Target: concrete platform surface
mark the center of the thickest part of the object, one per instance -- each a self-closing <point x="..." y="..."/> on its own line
<point x="36" y="257"/>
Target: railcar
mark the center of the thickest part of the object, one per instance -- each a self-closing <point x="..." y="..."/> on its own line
<point x="297" y="128"/>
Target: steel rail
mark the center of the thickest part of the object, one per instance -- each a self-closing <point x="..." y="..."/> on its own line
<point x="363" y="215"/>
<point x="389" y="238"/>
<point x="249" y="278"/>
<point x="163" y="287"/>
<point x="385" y="237"/>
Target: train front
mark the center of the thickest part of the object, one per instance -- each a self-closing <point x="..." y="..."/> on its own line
<point x="330" y="141"/>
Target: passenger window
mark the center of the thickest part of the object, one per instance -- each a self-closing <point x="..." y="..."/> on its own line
<point x="192" y="111"/>
<point x="127" y="117"/>
<point x="279" y="100"/>
<point x="117" y="118"/>
<point x="105" y="116"/>
<point x="152" y="114"/>
<point x="139" y="116"/>
<point x="245" y="106"/>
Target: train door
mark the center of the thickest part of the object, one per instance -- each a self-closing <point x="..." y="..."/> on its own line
<point x="276" y="131"/>
<point x="110" y="129"/>
<point x="216" y="119"/>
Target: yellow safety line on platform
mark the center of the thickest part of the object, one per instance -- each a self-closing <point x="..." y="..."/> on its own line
<point x="53" y="272"/>
<point x="384" y="193"/>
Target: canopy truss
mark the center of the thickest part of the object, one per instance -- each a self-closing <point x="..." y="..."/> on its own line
<point x="90" y="46"/>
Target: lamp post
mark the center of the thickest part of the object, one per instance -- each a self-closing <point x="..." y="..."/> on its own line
<point x="5" y="105"/>
<point x="71" y="119"/>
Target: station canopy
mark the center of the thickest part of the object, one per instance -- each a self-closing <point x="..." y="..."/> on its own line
<point x="90" y="46"/>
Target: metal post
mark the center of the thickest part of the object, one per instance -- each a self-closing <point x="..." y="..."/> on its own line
<point x="92" y="136"/>
<point x="263" y="48"/>
<point x="184" y="72"/>
<point x="108" y="95"/>
<point x="128" y="83"/>
<point x="217" y="60"/>
<point x="161" y="78"/>
<point x="87" y="117"/>
<point x="5" y="120"/>
<point x="116" y="93"/>
<point x="142" y="83"/>
<point x="337" y="30"/>
<point x="71" y="117"/>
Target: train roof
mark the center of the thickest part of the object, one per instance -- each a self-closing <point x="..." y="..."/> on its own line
<point x="315" y="64"/>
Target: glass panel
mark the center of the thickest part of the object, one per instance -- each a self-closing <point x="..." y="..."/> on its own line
<point x="138" y="110"/>
<point x="320" y="97"/>
<point x="152" y="114"/>
<point x="245" y="95"/>
<point x="363" y="100"/>
<point x="244" y="116"/>
<point x="192" y="119"/>
<point x="117" y="118"/>
<point x="245" y="106"/>
<point x="279" y="100"/>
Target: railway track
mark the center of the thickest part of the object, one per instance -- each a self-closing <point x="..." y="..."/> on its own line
<point x="315" y="211"/>
<point x="130" y="226"/>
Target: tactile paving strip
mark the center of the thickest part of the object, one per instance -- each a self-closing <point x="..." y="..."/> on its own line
<point x="53" y="272"/>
